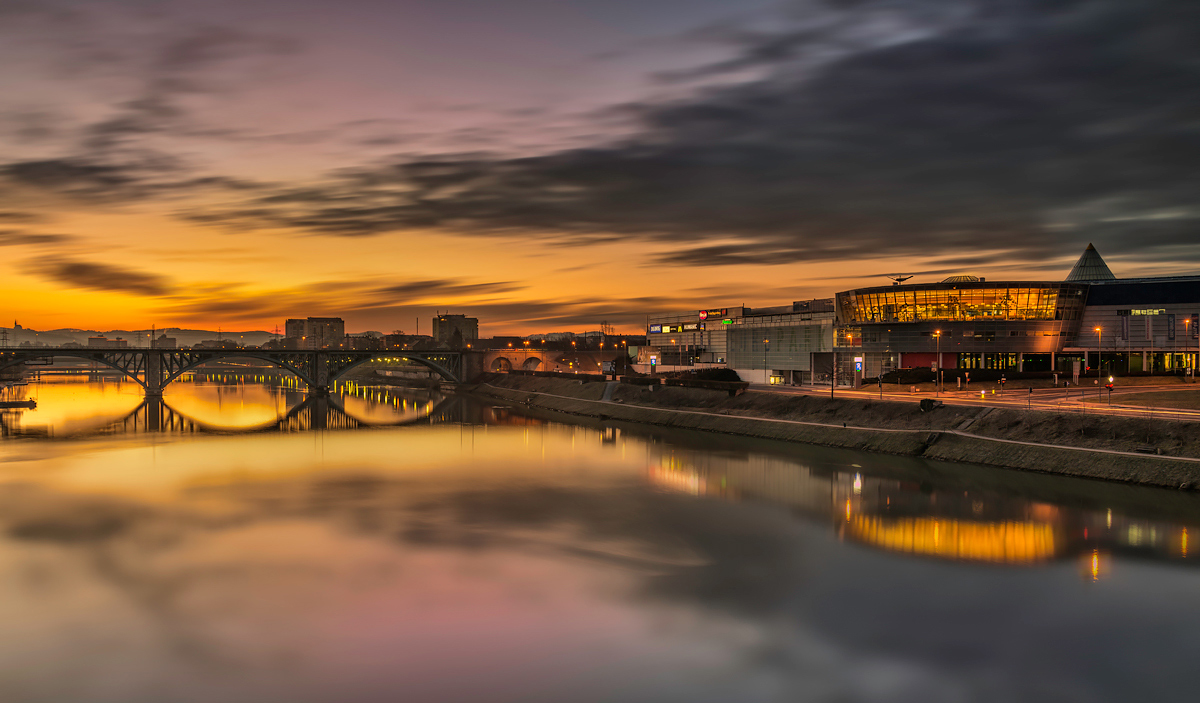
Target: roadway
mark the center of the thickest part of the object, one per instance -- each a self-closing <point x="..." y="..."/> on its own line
<point x="1076" y="399"/>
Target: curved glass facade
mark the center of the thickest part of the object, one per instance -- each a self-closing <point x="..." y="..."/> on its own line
<point x="961" y="302"/>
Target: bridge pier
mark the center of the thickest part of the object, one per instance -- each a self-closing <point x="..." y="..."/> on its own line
<point x="320" y="374"/>
<point x="154" y="376"/>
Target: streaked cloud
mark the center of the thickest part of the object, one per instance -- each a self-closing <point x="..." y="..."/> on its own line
<point x="74" y="273"/>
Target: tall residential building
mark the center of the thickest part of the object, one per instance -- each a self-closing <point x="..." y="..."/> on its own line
<point x="315" y="332"/>
<point x="455" y="331"/>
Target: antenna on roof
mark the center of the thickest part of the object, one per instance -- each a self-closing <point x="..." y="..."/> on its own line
<point x="898" y="279"/>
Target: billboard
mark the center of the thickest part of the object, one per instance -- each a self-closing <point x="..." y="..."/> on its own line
<point x="716" y="312"/>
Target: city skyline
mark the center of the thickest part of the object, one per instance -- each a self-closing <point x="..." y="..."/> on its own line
<point x="546" y="166"/>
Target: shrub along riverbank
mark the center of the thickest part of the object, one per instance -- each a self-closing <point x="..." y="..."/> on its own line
<point x="1093" y="446"/>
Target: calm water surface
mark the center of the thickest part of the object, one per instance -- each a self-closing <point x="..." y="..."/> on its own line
<point x="242" y="542"/>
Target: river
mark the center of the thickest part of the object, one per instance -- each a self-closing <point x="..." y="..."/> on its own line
<point x="243" y="542"/>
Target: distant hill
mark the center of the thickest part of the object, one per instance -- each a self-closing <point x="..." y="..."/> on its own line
<point x="137" y="338"/>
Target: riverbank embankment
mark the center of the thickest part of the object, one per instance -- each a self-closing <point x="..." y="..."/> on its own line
<point x="1091" y="446"/>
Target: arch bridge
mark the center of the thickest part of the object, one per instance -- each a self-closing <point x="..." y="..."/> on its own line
<point x="154" y="369"/>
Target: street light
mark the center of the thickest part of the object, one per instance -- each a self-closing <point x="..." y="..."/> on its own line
<point x="938" y="379"/>
<point x="1099" y="350"/>
<point x="1187" y="345"/>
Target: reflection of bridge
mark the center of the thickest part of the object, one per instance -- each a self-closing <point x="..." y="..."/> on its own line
<point x="153" y="369"/>
<point x="316" y="412"/>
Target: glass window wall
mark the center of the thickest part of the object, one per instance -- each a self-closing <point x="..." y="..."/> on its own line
<point x="957" y="302"/>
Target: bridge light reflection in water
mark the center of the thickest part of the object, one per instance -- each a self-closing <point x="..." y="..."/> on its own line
<point x="77" y="404"/>
<point x="690" y="567"/>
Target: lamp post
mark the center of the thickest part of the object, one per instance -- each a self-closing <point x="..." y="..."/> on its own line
<point x="1187" y="347"/>
<point x="766" y="348"/>
<point x="833" y="377"/>
<point x="938" y="380"/>
<point x="1099" y="350"/>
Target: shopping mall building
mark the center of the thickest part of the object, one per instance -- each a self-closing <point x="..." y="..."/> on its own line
<point x="960" y="324"/>
<point x="963" y="323"/>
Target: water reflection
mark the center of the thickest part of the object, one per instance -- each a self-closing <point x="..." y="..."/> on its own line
<point x="79" y="404"/>
<point x="956" y="522"/>
<point x="483" y="553"/>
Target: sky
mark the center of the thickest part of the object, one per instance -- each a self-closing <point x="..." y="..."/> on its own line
<point x="551" y="165"/>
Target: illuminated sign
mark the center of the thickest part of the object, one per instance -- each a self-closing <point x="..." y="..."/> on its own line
<point x="689" y="327"/>
<point x="706" y="314"/>
<point x="1145" y="312"/>
<point x="726" y="322"/>
<point x="656" y="329"/>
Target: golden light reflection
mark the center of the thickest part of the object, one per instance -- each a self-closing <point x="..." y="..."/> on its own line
<point x="672" y="474"/>
<point x="946" y="538"/>
<point x="239" y="406"/>
<point x="1096" y="565"/>
<point x="71" y="405"/>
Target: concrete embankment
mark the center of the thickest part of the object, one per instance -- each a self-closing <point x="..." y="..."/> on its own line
<point x="1092" y="446"/>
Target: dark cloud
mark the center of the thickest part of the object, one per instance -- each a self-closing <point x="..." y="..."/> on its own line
<point x="132" y="151"/>
<point x="22" y="217"/>
<point x="181" y="66"/>
<point x="434" y="288"/>
<point x="13" y="237"/>
<point x="146" y="175"/>
<point x="77" y="176"/>
<point x="892" y="129"/>
<point x="96" y="276"/>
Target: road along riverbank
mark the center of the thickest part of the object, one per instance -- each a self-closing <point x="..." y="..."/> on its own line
<point x="1133" y="450"/>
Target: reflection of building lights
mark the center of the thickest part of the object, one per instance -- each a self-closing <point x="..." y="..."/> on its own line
<point x="676" y="478"/>
<point x="857" y="484"/>
<point x="996" y="542"/>
<point x="1096" y="565"/>
<point x="1109" y="519"/>
<point x="1183" y="544"/>
<point x="847" y="510"/>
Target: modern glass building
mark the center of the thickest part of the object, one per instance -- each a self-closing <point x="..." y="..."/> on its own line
<point x="1109" y="325"/>
<point x="970" y="322"/>
<point x="964" y="322"/>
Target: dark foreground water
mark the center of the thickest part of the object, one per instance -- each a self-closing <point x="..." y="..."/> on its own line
<point x="241" y="542"/>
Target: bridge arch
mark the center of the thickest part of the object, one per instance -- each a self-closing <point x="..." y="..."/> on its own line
<point x="88" y="355"/>
<point x="420" y="359"/>
<point x="192" y="366"/>
<point x="500" y="364"/>
<point x="531" y="363"/>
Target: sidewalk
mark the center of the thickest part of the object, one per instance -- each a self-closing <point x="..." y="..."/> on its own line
<point x="1075" y="399"/>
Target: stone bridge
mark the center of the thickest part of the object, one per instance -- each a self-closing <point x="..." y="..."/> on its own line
<point x="533" y="359"/>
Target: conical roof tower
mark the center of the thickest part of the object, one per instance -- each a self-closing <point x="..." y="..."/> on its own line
<point x="1091" y="267"/>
